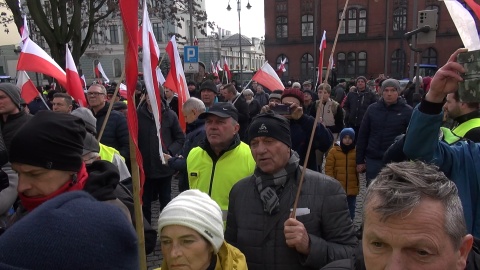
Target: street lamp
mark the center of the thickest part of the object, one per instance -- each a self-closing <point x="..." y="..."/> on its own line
<point x="239" y="9"/>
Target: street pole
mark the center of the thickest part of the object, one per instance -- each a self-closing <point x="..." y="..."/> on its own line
<point x="239" y="9"/>
<point x="315" y="57"/>
<point x="387" y="26"/>
<point x="190" y="10"/>
<point x="414" y="41"/>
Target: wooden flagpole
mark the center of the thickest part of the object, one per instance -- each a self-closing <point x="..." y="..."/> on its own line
<point x="317" y="116"/>
<point x="104" y="124"/>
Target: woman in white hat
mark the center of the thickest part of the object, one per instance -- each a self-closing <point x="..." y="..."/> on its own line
<point x="191" y="235"/>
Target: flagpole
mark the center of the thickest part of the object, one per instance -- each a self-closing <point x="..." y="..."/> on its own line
<point x="110" y="106"/>
<point x="317" y="116"/>
<point x="245" y="87"/>
<point x="43" y="100"/>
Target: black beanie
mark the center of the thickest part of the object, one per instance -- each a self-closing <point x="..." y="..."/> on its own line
<point x="50" y="140"/>
<point x="209" y="85"/>
<point x="270" y="125"/>
<point x="13" y="92"/>
<point x="71" y="231"/>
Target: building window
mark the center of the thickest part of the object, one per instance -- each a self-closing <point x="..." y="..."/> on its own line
<point x="398" y="63"/>
<point x="95" y="37"/>
<point x="341" y="64"/>
<point x="281" y="7"/>
<point x="280" y="58"/>
<point x="282" y="27"/>
<point x="117" y="68"/>
<point x="307" y="25"/>
<point x="429" y="56"/>
<point x="342" y="26"/>
<point x="113" y="34"/>
<point x="400" y="19"/>
<point x="362" y="21"/>
<point x="306" y="66"/>
<point x="157" y="31"/>
<point x="351" y="63"/>
<point x="352" y="21"/>
<point x="362" y="63"/>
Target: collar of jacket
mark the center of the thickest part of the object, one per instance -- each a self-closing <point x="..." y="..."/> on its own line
<point x="195" y="124"/>
<point x="14" y="116"/>
<point x="205" y="145"/>
<point x="102" y="180"/>
<point x="468" y="116"/>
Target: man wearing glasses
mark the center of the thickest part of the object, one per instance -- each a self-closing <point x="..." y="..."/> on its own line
<point x="116" y="131"/>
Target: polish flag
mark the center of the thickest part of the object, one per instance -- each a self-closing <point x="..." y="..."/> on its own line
<point x="474" y="6"/>
<point x="123" y="90"/>
<point x="281" y="68"/>
<point x="99" y="71"/>
<point x="84" y="82"/>
<point x="226" y="68"/>
<point x="267" y="77"/>
<point x="28" y="91"/>
<point x="74" y="83"/>
<point x="151" y="53"/>
<point x="214" y="69"/>
<point x="195" y="41"/>
<point x="24" y="30"/>
<point x="323" y="46"/>
<point x="176" y="78"/>
<point x="219" y="68"/>
<point x="43" y="63"/>
<point x="160" y="78"/>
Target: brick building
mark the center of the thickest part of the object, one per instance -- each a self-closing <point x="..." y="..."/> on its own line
<point x="363" y="47"/>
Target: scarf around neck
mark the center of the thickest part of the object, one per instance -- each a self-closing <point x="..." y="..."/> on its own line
<point x="77" y="183"/>
<point x="271" y="185"/>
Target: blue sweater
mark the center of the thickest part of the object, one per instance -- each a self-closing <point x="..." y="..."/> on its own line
<point x="460" y="162"/>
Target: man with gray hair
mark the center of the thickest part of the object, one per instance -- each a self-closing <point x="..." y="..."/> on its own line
<point x="413" y="219"/>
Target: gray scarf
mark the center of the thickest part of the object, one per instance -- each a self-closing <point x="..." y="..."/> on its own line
<point x="271" y="185"/>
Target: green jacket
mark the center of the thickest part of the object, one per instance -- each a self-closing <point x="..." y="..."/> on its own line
<point x="217" y="175"/>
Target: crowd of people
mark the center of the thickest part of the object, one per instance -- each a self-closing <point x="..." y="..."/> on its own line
<point x="254" y="192"/>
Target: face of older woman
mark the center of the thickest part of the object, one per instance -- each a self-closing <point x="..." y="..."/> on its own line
<point x="184" y="248"/>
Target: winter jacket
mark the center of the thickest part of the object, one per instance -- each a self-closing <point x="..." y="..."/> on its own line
<point x="254" y="108"/>
<point x="172" y="139"/>
<point x="301" y="131"/>
<point x="216" y="175"/>
<point x="195" y="135"/>
<point x="116" y="131"/>
<point x="332" y="115"/>
<point x="243" y="115"/>
<point x="343" y="167"/>
<point x="460" y="161"/>
<point x="228" y="258"/>
<point x="468" y="127"/>
<point x="173" y="105"/>
<point x="260" y="236"/>
<point x="381" y="124"/>
<point x="262" y="98"/>
<point x="356" y="104"/>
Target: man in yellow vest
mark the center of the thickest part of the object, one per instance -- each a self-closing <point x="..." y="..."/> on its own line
<point x="222" y="159"/>
<point x="466" y="117"/>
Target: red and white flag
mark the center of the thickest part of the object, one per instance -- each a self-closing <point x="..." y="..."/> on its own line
<point x="323" y="46"/>
<point x="195" y="41"/>
<point x="74" y="83"/>
<point x="28" y="91"/>
<point x="151" y="54"/>
<point x="219" y="68"/>
<point x="24" y="32"/>
<point x="176" y="78"/>
<point x="281" y="67"/>
<point x="84" y="82"/>
<point x="227" y="69"/>
<point x="100" y="72"/>
<point x="267" y="77"/>
<point x="123" y="90"/>
<point x="43" y="63"/>
<point x="214" y="69"/>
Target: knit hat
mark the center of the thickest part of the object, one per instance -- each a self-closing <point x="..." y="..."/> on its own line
<point x="87" y="116"/>
<point x="296" y="85"/>
<point x="347" y="131"/>
<point x="390" y="83"/>
<point x="361" y="78"/>
<point x="50" y="140"/>
<point x="12" y="91"/>
<point x="307" y="83"/>
<point x="270" y="125"/>
<point x="296" y="93"/>
<point x="277" y="94"/>
<point x="64" y="233"/>
<point x="221" y="109"/>
<point x="195" y="210"/>
<point x="90" y="144"/>
<point x="209" y="85"/>
<point x="310" y="92"/>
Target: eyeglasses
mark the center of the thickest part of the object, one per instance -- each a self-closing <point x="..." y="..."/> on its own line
<point x="94" y="94"/>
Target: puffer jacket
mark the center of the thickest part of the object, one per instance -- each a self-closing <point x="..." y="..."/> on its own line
<point x="381" y="125"/>
<point x="228" y="258"/>
<point x="260" y="236"/>
<point x="343" y="167"/>
<point x="116" y="131"/>
<point x="356" y="105"/>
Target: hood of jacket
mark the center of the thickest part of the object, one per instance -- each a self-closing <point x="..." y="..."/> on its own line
<point x="195" y="125"/>
<point x="103" y="178"/>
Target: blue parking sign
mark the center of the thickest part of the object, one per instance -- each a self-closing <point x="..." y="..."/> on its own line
<point x="190" y="54"/>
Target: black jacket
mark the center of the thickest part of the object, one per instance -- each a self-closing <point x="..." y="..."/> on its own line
<point x="116" y="131"/>
<point x="261" y="238"/>
<point x="380" y="126"/>
<point x="193" y="139"/>
<point x="243" y="115"/>
<point x="254" y="108"/>
<point x="172" y="135"/>
<point x="356" y="105"/>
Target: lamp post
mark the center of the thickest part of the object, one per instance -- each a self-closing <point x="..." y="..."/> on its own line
<point x="239" y="9"/>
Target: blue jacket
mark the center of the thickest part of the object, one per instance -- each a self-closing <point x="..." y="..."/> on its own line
<point x="460" y="162"/>
<point x="301" y="130"/>
<point x="380" y="125"/>
<point x="195" y="135"/>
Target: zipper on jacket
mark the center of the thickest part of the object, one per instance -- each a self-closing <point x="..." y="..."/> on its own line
<point x="211" y="178"/>
<point x="346" y="175"/>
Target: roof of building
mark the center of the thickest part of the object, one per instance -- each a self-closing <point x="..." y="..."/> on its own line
<point x="234" y="41"/>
